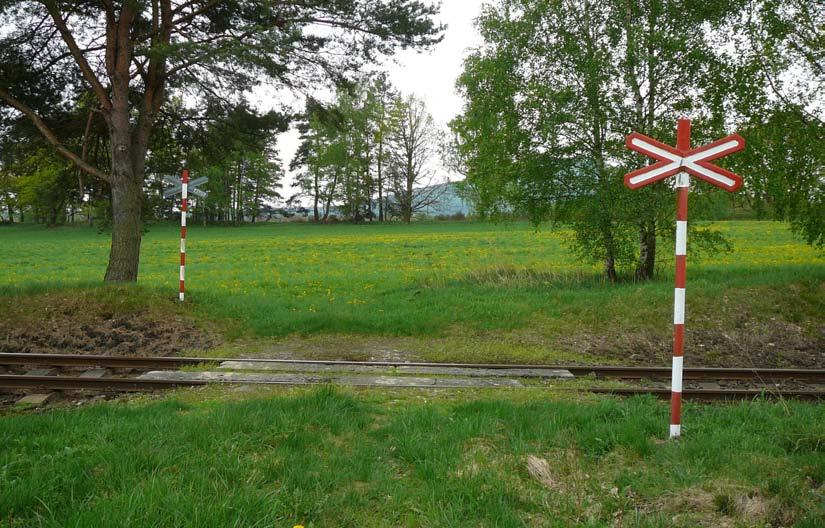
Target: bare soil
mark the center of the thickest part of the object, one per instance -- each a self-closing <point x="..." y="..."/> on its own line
<point x="774" y="344"/>
<point x="762" y="345"/>
<point x="79" y="325"/>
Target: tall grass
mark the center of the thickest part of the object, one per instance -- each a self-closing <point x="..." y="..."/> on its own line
<point x="324" y="458"/>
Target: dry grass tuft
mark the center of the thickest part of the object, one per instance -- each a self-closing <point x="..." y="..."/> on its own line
<point x="539" y="469"/>
<point x="514" y="277"/>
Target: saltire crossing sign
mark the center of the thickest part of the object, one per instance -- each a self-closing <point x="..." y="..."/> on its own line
<point x="176" y="186"/>
<point x="184" y="187"/>
<point x="683" y="162"/>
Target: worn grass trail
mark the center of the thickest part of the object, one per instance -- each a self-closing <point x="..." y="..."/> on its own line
<point x="328" y="458"/>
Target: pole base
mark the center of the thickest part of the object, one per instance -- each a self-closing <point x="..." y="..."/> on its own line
<point x="675" y="431"/>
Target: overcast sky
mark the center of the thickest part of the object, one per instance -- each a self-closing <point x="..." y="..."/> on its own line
<point x="430" y="75"/>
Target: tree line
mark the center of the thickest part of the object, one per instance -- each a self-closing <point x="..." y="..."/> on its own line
<point x="366" y="156"/>
<point x="234" y="148"/>
<point x="371" y="153"/>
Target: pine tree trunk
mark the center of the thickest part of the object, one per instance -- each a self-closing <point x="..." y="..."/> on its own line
<point x="257" y="200"/>
<point x="610" y="252"/>
<point x="10" y="209"/>
<point x="330" y="196"/>
<point x="238" y="197"/>
<point x="127" y="202"/>
<point x="610" y="269"/>
<point x="410" y="179"/>
<point x="316" y="197"/>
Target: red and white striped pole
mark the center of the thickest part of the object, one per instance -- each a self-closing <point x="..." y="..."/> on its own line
<point x="682" y="162"/>
<point x="682" y="188"/>
<point x="183" y="209"/>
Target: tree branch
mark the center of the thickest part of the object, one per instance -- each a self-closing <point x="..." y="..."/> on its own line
<point x="64" y="55"/>
<point x="233" y="39"/>
<point x="51" y="138"/>
<point x="192" y="14"/>
<point x="79" y="58"/>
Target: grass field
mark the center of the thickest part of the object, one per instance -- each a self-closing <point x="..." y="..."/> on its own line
<point x="440" y="291"/>
<point x="490" y="291"/>
<point x="337" y="459"/>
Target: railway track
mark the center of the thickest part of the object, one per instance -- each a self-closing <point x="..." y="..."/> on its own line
<point x="72" y="381"/>
<point x="600" y="371"/>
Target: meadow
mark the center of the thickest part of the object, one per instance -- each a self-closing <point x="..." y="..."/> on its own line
<point x="448" y="290"/>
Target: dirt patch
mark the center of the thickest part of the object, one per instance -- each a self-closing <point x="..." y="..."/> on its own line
<point x="333" y="347"/>
<point x="80" y="325"/>
<point x="727" y="505"/>
<point x="773" y="344"/>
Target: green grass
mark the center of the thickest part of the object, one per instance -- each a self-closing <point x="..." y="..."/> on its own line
<point x="423" y="279"/>
<point x="326" y="458"/>
<point x="438" y="291"/>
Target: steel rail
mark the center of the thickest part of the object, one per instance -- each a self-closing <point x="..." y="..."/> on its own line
<point x="98" y="384"/>
<point x="715" y="394"/>
<point x="79" y="360"/>
<point x="19" y="382"/>
<point x="604" y="371"/>
<point x="701" y="373"/>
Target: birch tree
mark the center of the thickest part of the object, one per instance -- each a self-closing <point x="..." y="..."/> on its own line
<point x="552" y="93"/>
<point x="413" y="144"/>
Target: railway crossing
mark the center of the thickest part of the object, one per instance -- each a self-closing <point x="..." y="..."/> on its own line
<point x="682" y="162"/>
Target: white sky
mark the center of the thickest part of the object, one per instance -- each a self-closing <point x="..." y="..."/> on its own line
<point x="429" y="75"/>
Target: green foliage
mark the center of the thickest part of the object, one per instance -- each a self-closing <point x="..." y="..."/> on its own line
<point x="36" y="183"/>
<point x="370" y="141"/>
<point x="550" y="98"/>
<point x="46" y="185"/>
<point x="785" y="162"/>
<point x="557" y="86"/>
<point x="235" y="150"/>
<point x="780" y="87"/>
<point x="324" y="155"/>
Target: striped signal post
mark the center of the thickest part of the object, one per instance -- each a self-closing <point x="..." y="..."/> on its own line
<point x="184" y="187"/>
<point x="184" y="195"/>
<point x="682" y="162"/>
<point x="682" y="191"/>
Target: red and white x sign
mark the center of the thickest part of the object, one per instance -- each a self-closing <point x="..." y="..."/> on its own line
<point x="695" y="162"/>
<point x="684" y="161"/>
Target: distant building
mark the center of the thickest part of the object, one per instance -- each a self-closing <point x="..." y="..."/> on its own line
<point x="447" y="201"/>
<point x="443" y="200"/>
